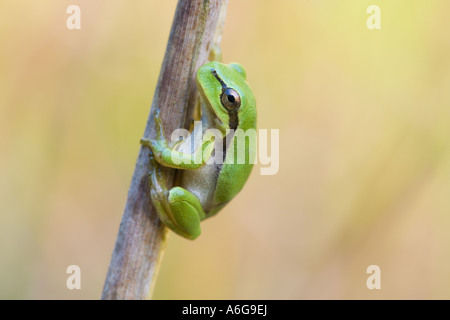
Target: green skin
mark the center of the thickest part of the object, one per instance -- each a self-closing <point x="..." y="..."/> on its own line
<point x="203" y="188"/>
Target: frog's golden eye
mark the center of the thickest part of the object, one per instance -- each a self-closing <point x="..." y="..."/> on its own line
<point x="230" y="99"/>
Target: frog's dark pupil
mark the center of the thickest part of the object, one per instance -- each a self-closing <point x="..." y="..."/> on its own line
<point x="231" y="98"/>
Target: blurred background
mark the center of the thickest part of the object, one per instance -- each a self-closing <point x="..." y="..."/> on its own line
<point x="364" y="178"/>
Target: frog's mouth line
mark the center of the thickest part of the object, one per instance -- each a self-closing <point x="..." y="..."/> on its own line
<point x="233" y="121"/>
<point x="218" y="122"/>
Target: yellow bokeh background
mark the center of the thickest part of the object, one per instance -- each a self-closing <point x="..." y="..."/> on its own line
<point x="364" y="176"/>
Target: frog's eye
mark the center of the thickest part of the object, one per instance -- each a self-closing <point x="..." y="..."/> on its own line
<point x="230" y="98"/>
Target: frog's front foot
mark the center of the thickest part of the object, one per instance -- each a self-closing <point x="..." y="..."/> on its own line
<point x="158" y="125"/>
<point x="159" y="132"/>
<point x="215" y="54"/>
<point x="146" y="142"/>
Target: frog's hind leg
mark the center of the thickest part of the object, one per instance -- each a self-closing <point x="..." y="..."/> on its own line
<point x="178" y="209"/>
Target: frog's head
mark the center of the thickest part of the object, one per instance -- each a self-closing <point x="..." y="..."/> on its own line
<point x="227" y="94"/>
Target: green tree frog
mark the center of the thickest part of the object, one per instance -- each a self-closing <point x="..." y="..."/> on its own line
<point x="226" y="102"/>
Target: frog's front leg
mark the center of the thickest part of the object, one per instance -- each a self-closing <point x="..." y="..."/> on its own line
<point x="167" y="155"/>
<point x="177" y="208"/>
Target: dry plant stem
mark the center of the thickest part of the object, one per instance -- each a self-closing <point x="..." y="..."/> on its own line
<point x="196" y="27"/>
